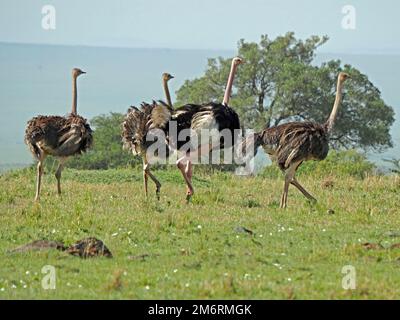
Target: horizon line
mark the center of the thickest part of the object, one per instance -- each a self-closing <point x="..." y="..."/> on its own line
<point x="180" y="49"/>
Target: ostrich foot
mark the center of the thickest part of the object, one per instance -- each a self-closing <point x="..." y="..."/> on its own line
<point x="158" y="193"/>
<point x="189" y="194"/>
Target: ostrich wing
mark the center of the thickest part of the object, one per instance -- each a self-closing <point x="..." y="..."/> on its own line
<point x="70" y="141"/>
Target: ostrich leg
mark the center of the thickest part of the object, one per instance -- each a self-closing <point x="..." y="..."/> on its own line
<point x="39" y="176"/>
<point x="302" y="190"/>
<point x="289" y="175"/>
<point x="187" y="170"/>
<point x="146" y="174"/>
<point x="183" y="169"/>
<point x="58" y="173"/>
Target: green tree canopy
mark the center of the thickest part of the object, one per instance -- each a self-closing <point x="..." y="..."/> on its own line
<point x="280" y="83"/>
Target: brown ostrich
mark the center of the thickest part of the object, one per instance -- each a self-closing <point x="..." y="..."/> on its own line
<point x="61" y="137"/>
<point x="290" y="144"/>
<point x="138" y="125"/>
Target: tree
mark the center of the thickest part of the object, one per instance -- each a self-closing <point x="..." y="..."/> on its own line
<point x="107" y="148"/>
<point x="280" y="83"/>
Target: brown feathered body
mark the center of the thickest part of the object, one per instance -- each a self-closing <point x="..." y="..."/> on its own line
<point x="294" y="142"/>
<point x="140" y="123"/>
<point x="58" y="136"/>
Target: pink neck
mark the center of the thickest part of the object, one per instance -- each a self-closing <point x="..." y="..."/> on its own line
<point x="228" y="89"/>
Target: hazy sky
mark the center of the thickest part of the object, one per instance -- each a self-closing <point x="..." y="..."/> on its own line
<point x="204" y="24"/>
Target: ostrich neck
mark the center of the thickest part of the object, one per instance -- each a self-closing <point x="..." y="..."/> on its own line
<point x="332" y="118"/>
<point x="74" y="96"/>
<point x="166" y="91"/>
<point x="228" y="89"/>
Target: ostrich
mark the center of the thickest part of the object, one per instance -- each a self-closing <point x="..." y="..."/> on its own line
<point x="60" y="137"/>
<point x="139" y="123"/>
<point x="290" y="144"/>
<point x="214" y="117"/>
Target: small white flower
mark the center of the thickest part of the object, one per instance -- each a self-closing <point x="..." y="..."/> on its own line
<point x="53" y="231"/>
<point x="2" y="289"/>
<point x="270" y="233"/>
<point x="260" y="235"/>
<point x="187" y="285"/>
<point x="199" y="227"/>
<point x="289" y="279"/>
<point x="68" y="284"/>
<point x="114" y="234"/>
<point x="80" y="286"/>
<point x="147" y="287"/>
<point x="125" y="273"/>
<point x="25" y="286"/>
<point x="13" y="286"/>
<point x="129" y="232"/>
<point x="323" y="230"/>
<point x="27" y="272"/>
<point x="175" y="270"/>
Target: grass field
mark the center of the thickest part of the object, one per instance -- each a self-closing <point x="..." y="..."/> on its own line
<point x="170" y="249"/>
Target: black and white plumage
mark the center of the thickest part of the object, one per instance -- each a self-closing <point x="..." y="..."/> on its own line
<point x="214" y="118"/>
<point x="139" y="123"/>
<point x="290" y="144"/>
<point x="61" y="137"/>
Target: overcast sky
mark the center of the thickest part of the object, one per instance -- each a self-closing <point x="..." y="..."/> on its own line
<point x="202" y="24"/>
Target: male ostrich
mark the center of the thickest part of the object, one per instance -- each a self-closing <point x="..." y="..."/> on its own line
<point x="139" y="123"/>
<point x="214" y="117"/>
<point x="292" y="143"/>
<point x="60" y="137"/>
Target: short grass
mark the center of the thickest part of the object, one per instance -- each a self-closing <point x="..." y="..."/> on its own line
<point x="198" y="250"/>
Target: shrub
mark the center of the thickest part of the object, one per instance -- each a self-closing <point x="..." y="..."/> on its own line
<point x="338" y="163"/>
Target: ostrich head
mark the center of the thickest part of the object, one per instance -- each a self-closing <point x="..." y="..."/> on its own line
<point x="76" y="72"/>
<point x="166" y="76"/>
<point x="343" y="76"/>
<point x="236" y="61"/>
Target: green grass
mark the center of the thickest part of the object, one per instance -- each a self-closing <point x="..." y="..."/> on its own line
<point x="197" y="250"/>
